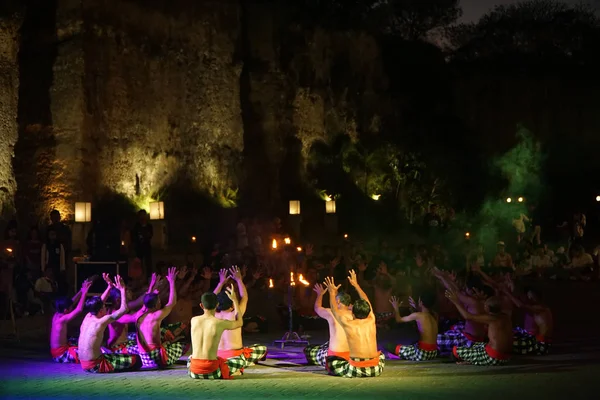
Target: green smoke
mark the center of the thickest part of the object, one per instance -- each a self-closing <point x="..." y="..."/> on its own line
<point x="521" y="168"/>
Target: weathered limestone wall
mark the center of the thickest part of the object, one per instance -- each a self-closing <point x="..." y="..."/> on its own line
<point x="9" y="91"/>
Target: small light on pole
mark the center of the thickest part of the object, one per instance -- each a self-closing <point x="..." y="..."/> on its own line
<point x="193" y="239"/>
<point x="509" y="200"/>
<point x="83" y="212"/>
<point x="294" y="207"/>
<point x="520" y="199"/>
<point x="345" y="236"/>
<point x="468" y="235"/>
<point x="157" y="210"/>
<point x="598" y="199"/>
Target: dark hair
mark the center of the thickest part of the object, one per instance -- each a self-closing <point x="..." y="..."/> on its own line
<point x="142" y="212"/>
<point x="114" y="296"/>
<point x="54" y="212"/>
<point x="536" y="293"/>
<point x="31" y="229"/>
<point x="494" y="305"/>
<point x="223" y="301"/>
<point x="428" y="299"/>
<point x="62" y="304"/>
<point x="361" y="309"/>
<point x="344" y="298"/>
<point x="151" y="300"/>
<point x="209" y="301"/>
<point x="94" y="304"/>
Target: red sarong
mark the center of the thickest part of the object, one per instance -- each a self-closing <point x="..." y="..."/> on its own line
<point x="164" y="357"/>
<point x="246" y="352"/>
<point x="59" y="351"/>
<point x="105" y="366"/>
<point x="496" y="354"/>
<point x="205" y="367"/>
<point x="341" y="354"/>
<point x="473" y="338"/>
<point x="428" y="346"/>
<point x="373" y="362"/>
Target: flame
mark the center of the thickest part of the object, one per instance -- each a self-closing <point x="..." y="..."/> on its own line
<point x="303" y="281"/>
<point x="292" y="282"/>
<point x="9" y="250"/>
<point x="193" y="239"/>
<point x="287" y="240"/>
<point x="299" y="249"/>
<point x="274" y="244"/>
<point x="271" y="283"/>
<point x="122" y="243"/>
<point x="345" y="236"/>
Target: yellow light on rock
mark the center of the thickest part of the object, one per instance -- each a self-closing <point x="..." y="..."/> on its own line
<point x="157" y="210"/>
<point x="375" y="196"/>
<point x="509" y="200"/>
<point x="287" y="240"/>
<point x="330" y="206"/>
<point x="83" y="212"/>
<point x="274" y="244"/>
<point x="295" y="207"/>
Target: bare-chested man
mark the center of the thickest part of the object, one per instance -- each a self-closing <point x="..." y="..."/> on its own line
<point x="231" y="344"/>
<point x="497" y="351"/>
<point x="207" y="330"/>
<point x="359" y="326"/>
<point x="152" y="352"/>
<point x="61" y="350"/>
<point x="337" y="346"/>
<point x="383" y="285"/>
<point x="92" y="332"/>
<point x="536" y="335"/>
<point x="471" y="332"/>
<point x="427" y="323"/>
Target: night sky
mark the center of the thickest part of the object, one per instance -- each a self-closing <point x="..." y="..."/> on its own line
<point x="473" y="9"/>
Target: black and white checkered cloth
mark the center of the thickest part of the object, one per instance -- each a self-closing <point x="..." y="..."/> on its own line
<point x="119" y="362"/>
<point x="448" y="340"/>
<point x="317" y="355"/>
<point x="337" y="366"/>
<point x="71" y="355"/>
<point x="129" y="347"/>
<point x="235" y="364"/>
<point x="258" y="352"/>
<point x="477" y="355"/>
<point x="415" y="353"/>
<point x="526" y="343"/>
<point x="164" y="356"/>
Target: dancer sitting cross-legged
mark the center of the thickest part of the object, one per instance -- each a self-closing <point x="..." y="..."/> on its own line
<point x="338" y="344"/>
<point x="231" y="344"/>
<point x="427" y="323"/>
<point x="92" y="332"/>
<point x="207" y="329"/>
<point x="152" y="352"/>
<point x="60" y="348"/>
<point x="499" y="348"/>
<point x="359" y="326"/>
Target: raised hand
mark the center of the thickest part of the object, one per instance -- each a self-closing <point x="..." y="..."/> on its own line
<point x="119" y="284"/>
<point x="257" y="274"/>
<point x="334" y="263"/>
<point x="382" y="268"/>
<point x="309" y="250"/>
<point x="172" y="274"/>
<point x="193" y="272"/>
<point x="223" y="275"/>
<point x="107" y="279"/>
<point x="319" y="289"/>
<point x="183" y="272"/>
<point x="207" y="273"/>
<point x="452" y="296"/>
<point x="395" y="302"/>
<point x="411" y="303"/>
<point x="330" y="284"/>
<point x="352" y="278"/>
<point x="87" y="284"/>
<point x="230" y="291"/>
<point x="236" y="274"/>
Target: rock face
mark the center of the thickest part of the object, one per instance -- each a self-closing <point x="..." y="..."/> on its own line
<point x="9" y="91"/>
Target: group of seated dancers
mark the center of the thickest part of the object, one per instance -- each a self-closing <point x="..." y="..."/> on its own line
<point x="486" y="337"/>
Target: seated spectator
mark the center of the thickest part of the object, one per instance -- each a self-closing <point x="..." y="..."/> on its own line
<point x="581" y="264"/>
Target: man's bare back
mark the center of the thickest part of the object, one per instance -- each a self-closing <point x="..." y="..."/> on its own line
<point x="338" y="342"/>
<point x="232" y="339"/>
<point x="427" y="322"/>
<point x="500" y="333"/>
<point x="60" y="321"/>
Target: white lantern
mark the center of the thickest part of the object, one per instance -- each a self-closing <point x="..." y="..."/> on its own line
<point x="83" y="212"/>
<point x="330" y="207"/>
<point x="157" y="210"/>
<point x="294" y="207"/>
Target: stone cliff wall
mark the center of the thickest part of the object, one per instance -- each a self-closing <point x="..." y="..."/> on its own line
<point x="9" y="90"/>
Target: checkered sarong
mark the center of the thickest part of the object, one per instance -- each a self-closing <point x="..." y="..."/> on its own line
<point x="448" y="340"/>
<point x="476" y="355"/>
<point x="165" y="355"/>
<point x="337" y="366"/>
<point x="317" y="355"/>
<point x="235" y="364"/>
<point x="114" y="363"/>
<point x="254" y="353"/>
<point x="70" y="354"/>
<point x="527" y="343"/>
<point x="128" y="347"/>
<point x="415" y="353"/>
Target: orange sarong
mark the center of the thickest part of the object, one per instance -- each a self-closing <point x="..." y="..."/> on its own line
<point x="341" y="354"/>
<point x="246" y="352"/>
<point x="373" y="362"/>
<point x="496" y="354"/>
<point x="428" y="346"/>
<point x="205" y="367"/>
<point x="105" y="366"/>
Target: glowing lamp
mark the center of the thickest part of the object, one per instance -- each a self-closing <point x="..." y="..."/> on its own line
<point x="9" y="250"/>
<point x="83" y="212"/>
<point x="468" y="235"/>
<point x="287" y="240"/>
<point x="509" y="200"/>
<point x="303" y="281"/>
<point x="598" y="198"/>
<point x="157" y="210"/>
<point x="294" y="207"/>
<point x="271" y="286"/>
<point x="330" y="206"/>
<point x="375" y="196"/>
<point x="345" y="236"/>
<point x="193" y="239"/>
<point x="122" y="243"/>
<point x="299" y="249"/>
<point x="520" y="199"/>
<point x="274" y="244"/>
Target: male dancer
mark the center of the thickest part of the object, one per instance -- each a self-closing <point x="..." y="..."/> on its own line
<point x="472" y="332"/>
<point x="497" y="350"/>
<point x="427" y="323"/>
<point x="207" y="330"/>
<point x="359" y="326"/>
<point x="536" y="336"/>
<point x="338" y="344"/>
<point x="60" y="349"/>
<point x="92" y="332"/>
<point x="152" y="352"/>
<point x="231" y="344"/>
